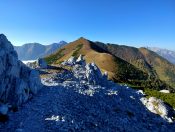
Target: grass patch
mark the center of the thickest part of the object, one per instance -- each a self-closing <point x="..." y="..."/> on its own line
<point x="77" y="49"/>
<point x="168" y="98"/>
<point x="54" y="57"/>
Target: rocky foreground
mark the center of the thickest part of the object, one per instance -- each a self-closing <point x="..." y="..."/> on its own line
<point x="78" y="98"/>
<point x="82" y="99"/>
<point x="18" y="83"/>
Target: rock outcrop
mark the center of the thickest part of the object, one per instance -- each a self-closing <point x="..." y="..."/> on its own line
<point x="98" y="104"/>
<point x="93" y="74"/>
<point x="41" y="63"/>
<point x="80" y="60"/>
<point x="17" y="82"/>
<point x="157" y="106"/>
<point x="88" y="72"/>
<point x="37" y="64"/>
<point x="70" y="62"/>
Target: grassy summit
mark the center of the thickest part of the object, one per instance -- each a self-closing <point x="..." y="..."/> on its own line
<point x="137" y="67"/>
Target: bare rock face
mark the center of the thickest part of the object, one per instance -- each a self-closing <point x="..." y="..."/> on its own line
<point x="80" y="60"/>
<point x="73" y="61"/>
<point x="41" y="63"/>
<point x="87" y="72"/>
<point x="70" y="62"/>
<point x="93" y="74"/>
<point x="17" y="82"/>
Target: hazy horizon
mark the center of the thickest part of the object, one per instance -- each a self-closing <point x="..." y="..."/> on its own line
<point x="132" y="45"/>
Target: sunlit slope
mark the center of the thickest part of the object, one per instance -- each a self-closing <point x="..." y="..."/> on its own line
<point x="93" y="53"/>
<point x="124" y="64"/>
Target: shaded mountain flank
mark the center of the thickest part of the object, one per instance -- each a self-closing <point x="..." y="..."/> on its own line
<point x="138" y="67"/>
<point x="33" y="51"/>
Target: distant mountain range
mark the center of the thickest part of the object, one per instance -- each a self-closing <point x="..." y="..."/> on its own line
<point x="167" y="54"/>
<point x="32" y="51"/>
<point x="138" y="67"/>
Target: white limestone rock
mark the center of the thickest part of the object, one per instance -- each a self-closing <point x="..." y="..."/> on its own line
<point x="32" y="65"/>
<point x="157" y="106"/>
<point x="141" y="92"/>
<point x="70" y="62"/>
<point x="73" y="61"/>
<point x="81" y="61"/>
<point x="164" y="91"/>
<point x="93" y="74"/>
<point x="17" y="81"/>
<point x="87" y="72"/>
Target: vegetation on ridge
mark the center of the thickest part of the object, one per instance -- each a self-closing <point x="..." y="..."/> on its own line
<point x="124" y="64"/>
<point x="77" y="49"/>
<point x="168" y="98"/>
<point x="54" y="57"/>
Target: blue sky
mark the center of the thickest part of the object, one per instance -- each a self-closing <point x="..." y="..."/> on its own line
<point x="131" y="22"/>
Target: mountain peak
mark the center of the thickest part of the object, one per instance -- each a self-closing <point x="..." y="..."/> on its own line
<point x="4" y="43"/>
<point x="3" y="38"/>
<point x="62" y="42"/>
<point x="2" y="35"/>
<point x="83" y="39"/>
<point x="32" y="51"/>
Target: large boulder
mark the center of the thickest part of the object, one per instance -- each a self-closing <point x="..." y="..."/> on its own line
<point x="70" y="62"/>
<point x="41" y="63"/>
<point x="87" y="72"/>
<point x="74" y="61"/>
<point x="17" y="81"/>
<point x="94" y="75"/>
<point x="157" y="106"/>
<point x="81" y="61"/>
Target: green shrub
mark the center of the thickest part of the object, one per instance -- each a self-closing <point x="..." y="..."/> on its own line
<point x="168" y="98"/>
<point x="54" y="57"/>
<point x="77" y="49"/>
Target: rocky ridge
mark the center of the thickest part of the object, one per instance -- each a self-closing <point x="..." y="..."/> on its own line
<point x="18" y="83"/>
<point x="82" y="99"/>
<point x="88" y="80"/>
